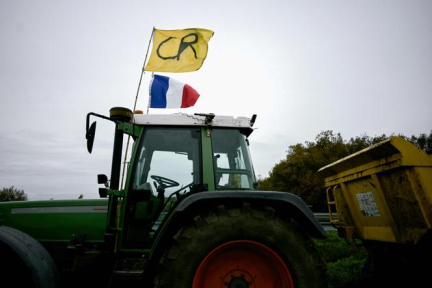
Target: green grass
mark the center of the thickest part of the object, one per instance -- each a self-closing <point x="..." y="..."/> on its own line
<point x="344" y="261"/>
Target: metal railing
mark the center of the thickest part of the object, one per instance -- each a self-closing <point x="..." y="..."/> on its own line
<point x="324" y="219"/>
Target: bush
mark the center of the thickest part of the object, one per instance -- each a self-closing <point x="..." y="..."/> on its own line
<point x="12" y="194"/>
<point x="344" y="261"/>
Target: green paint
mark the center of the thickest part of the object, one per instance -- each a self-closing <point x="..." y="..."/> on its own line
<point x="130" y="129"/>
<point x="207" y="158"/>
<point x="57" y="220"/>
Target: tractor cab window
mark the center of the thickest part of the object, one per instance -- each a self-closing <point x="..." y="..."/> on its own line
<point x="168" y="161"/>
<point x="231" y="159"/>
<point x="167" y="165"/>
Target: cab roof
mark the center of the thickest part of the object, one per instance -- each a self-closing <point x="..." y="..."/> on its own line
<point x="212" y="120"/>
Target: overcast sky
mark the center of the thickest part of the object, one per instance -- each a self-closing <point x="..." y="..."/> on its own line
<point x="354" y="67"/>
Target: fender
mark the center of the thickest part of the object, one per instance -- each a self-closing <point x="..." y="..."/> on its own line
<point x="38" y="261"/>
<point x="289" y="203"/>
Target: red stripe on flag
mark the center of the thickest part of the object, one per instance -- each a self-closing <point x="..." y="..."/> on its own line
<point x="190" y="96"/>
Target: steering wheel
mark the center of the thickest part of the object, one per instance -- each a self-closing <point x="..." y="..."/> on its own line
<point x="163" y="182"/>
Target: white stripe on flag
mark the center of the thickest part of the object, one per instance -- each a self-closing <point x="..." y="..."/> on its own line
<point x="174" y="94"/>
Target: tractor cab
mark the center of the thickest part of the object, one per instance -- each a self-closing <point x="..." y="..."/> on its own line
<point x="173" y="156"/>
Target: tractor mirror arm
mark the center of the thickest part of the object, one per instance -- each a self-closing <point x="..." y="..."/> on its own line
<point x="91" y="131"/>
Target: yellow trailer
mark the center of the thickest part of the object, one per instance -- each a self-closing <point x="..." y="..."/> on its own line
<point x="383" y="196"/>
<point x="382" y="193"/>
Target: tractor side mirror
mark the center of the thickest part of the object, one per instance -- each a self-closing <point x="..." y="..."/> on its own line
<point x="90" y="135"/>
<point x="102" y="179"/>
<point x="103" y="192"/>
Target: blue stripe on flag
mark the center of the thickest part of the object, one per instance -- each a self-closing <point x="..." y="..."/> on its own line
<point x="158" y="91"/>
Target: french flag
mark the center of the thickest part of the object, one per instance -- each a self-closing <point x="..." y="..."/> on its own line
<point x="166" y="92"/>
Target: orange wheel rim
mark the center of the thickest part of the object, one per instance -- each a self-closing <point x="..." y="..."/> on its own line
<point x="242" y="263"/>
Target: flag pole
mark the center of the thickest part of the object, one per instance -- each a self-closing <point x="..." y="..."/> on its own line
<point x="149" y="100"/>
<point x="136" y="100"/>
<point x="143" y="68"/>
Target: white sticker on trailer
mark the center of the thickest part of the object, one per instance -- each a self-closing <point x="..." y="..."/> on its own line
<point x="367" y="204"/>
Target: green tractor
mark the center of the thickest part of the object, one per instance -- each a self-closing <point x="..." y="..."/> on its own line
<point x="190" y="215"/>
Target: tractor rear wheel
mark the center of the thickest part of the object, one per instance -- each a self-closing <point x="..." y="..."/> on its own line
<point x="236" y="247"/>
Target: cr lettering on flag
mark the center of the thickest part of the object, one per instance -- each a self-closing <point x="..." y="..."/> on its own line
<point x="166" y="92"/>
<point x="179" y="50"/>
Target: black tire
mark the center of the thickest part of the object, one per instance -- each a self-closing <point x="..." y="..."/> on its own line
<point x="208" y="231"/>
<point x="24" y="262"/>
<point x="13" y="271"/>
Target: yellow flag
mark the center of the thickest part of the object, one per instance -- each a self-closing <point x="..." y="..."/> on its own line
<point x="179" y="50"/>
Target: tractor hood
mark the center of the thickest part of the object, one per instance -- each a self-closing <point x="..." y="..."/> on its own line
<point x="57" y="220"/>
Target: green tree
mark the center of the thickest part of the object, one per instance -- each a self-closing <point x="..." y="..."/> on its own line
<point x="423" y="141"/>
<point x="12" y="194"/>
<point x="297" y="173"/>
